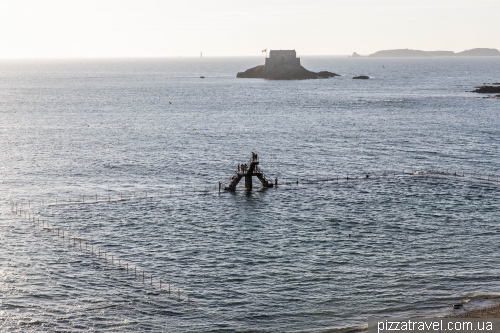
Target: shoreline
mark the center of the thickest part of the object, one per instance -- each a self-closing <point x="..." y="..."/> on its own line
<point x="488" y="312"/>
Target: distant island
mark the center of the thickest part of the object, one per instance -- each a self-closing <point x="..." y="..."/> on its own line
<point x="478" y="52"/>
<point x="283" y="65"/>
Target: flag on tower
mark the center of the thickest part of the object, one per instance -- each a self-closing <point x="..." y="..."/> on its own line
<point x="264" y="50"/>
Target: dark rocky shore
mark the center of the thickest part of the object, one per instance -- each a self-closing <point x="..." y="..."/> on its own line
<point x="487" y="90"/>
<point x="284" y="73"/>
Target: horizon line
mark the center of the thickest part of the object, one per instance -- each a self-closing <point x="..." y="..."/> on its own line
<point x="198" y="55"/>
<point x="157" y="57"/>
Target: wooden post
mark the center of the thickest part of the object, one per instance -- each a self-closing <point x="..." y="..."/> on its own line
<point x="248" y="181"/>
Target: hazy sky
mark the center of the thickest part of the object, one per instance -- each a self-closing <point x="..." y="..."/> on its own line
<point x="151" y="28"/>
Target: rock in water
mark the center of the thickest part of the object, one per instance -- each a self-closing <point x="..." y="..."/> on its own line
<point x="361" y="77"/>
<point x="487" y="90"/>
<point x="324" y="74"/>
<point x="355" y="55"/>
<point x="283" y="65"/>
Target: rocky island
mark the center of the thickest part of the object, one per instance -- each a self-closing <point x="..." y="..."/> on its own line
<point x="283" y="65"/>
<point x="478" y="52"/>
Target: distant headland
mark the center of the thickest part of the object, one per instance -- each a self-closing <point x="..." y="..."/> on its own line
<point x="283" y="65"/>
<point x="478" y="52"/>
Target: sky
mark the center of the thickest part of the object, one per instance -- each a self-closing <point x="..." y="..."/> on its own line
<point x="171" y="28"/>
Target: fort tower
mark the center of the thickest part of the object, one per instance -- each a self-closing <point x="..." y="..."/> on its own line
<point x="281" y="58"/>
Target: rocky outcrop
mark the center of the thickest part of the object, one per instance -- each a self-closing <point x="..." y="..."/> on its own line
<point x="492" y="97"/>
<point x="361" y="77"/>
<point x="284" y="73"/>
<point x="487" y="90"/>
<point x="355" y="55"/>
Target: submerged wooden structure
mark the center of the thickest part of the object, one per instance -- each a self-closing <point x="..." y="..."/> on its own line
<point x="248" y="171"/>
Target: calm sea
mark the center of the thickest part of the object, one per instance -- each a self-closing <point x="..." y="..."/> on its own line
<point x="276" y="260"/>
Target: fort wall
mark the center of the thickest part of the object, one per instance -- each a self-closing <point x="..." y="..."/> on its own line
<point x="280" y="58"/>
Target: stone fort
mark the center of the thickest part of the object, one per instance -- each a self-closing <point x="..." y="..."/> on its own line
<point x="281" y="58"/>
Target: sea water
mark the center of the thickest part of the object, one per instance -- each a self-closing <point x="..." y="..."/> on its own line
<point x="301" y="257"/>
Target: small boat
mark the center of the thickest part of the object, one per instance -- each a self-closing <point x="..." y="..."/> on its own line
<point x="202" y="77"/>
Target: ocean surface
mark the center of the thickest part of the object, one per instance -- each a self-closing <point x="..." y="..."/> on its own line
<point x="151" y="140"/>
